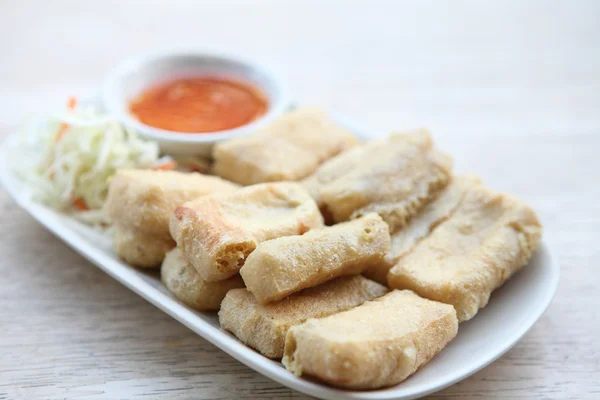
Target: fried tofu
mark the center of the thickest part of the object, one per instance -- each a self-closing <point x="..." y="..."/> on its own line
<point x="140" y="249"/>
<point x="396" y="178"/>
<point x="263" y="327"/>
<point x="289" y="149"/>
<point x="185" y="283"/>
<point x="336" y="167"/>
<point x="139" y="204"/>
<point x="421" y="225"/>
<point x="217" y="232"/>
<point x="485" y="241"/>
<point x="289" y="264"/>
<point x="377" y="344"/>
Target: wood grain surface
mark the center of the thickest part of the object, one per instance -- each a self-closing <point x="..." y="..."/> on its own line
<point x="510" y="88"/>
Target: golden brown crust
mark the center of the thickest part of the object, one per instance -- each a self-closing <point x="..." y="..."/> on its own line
<point x="488" y="238"/>
<point x="377" y="344"/>
<point x="185" y="283"/>
<point x="289" y="149"/>
<point x="217" y="232"/>
<point x="140" y="202"/>
<point x="263" y="327"/>
<point x="139" y="249"/>
<point x="338" y="166"/>
<point x="286" y="265"/>
<point x="395" y="178"/>
<point x="143" y="199"/>
<point x="421" y="225"/>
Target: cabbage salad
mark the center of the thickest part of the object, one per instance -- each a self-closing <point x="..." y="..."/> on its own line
<point x="69" y="159"/>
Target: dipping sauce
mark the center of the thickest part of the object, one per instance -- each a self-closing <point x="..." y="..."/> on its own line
<point x="196" y="105"/>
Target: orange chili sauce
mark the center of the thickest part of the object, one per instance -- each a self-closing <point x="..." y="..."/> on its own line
<point x="201" y="104"/>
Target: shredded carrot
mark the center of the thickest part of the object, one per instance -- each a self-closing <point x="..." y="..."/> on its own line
<point x="71" y="104"/>
<point x="61" y="131"/>
<point x="195" y="167"/>
<point x="80" y="204"/>
<point x="165" y="166"/>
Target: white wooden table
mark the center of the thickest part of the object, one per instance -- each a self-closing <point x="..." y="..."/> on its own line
<point x="510" y="88"/>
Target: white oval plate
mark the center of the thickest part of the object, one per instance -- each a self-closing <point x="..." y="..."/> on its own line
<point x="512" y="310"/>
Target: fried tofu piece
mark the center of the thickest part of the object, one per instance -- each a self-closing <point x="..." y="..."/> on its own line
<point x="185" y="283"/>
<point x="488" y="238"/>
<point x="140" y="249"/>
<point x="286" y="265"/>
<point x="217" y="232"/>
<point x="140" y="202"/>
<point x="289" y="149"/>
<point x="378" y="344"/>
<point x="336" y="167"/>
<point x="263" y="327"/>
<point x="396" y="178"/>
<point x="421" y="225"/>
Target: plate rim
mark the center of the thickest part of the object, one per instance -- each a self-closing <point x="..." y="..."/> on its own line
<point x="225" y="341"/>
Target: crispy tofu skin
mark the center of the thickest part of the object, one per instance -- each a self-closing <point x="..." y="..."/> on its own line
<point x="185" y="283"/>
<point x="217" y="232"/>
<point x="421" y="225"/>
<point x="140" y="249"/>
<point x="378" y="344"/>
<point x="336" y="167"/>
<point x="263" y="327"/>
<point x="488" y="238"/>
<point x="289" y="149"/>
<point x="140" y="202"/>
<point x="286" y="265"/>
<point x="395" y="178"/>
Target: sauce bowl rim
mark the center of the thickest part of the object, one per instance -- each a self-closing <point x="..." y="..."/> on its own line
<point x="114" y="106"/>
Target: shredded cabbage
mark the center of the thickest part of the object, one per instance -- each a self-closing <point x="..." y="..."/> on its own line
<point x="70" y="158"/>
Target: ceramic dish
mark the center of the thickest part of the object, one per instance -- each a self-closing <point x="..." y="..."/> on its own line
<point x="131" y="77"/>
<point x="512" y="309"/>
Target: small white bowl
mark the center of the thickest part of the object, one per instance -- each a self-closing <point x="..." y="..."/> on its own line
<point x="132" y="77"/>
